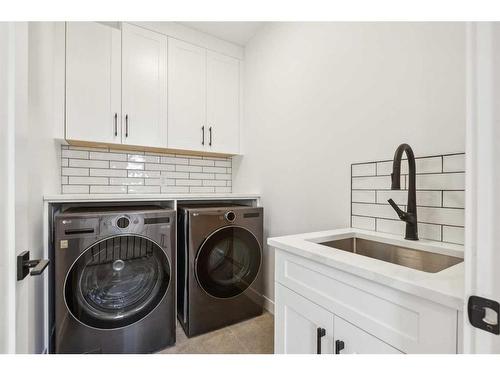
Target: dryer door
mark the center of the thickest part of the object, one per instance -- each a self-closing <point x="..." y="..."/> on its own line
<point x="117" y="282"/>
<point x="228" y="261"/>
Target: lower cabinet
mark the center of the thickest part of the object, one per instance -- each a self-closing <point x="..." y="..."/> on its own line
<point x="323" y="309"/>
<point x="303" y="327"/>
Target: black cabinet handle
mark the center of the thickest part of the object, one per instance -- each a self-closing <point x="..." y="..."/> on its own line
<point x="339" y="346"/>
<point x="210" y="140"/>
<point x="320" y="332"/>
<point x="126" y="126"/>
<point x="203" y="136"/>
<point x="116" y="124"/>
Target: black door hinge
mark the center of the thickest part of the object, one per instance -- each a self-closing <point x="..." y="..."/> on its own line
<point x="483" y="314"/>
<point x="24" y="264"/>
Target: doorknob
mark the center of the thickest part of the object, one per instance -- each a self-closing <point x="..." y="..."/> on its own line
<point x="24" y="264"/>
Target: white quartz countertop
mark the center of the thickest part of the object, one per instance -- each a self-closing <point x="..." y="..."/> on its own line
<point x="61" y="198"/>
<point x="445" y="287"/>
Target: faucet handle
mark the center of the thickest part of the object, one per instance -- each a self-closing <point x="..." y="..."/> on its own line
<point x="402" y="215"/>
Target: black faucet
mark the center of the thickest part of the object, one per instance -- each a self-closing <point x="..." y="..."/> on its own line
<point x="410" y="217"/>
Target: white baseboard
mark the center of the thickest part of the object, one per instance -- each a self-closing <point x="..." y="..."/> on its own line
<point x="269" y="305"/>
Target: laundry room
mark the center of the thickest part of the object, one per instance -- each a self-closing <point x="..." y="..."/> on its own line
<point x="263" y="186"/>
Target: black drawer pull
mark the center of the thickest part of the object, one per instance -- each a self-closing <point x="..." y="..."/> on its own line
<point x="320" y="332"/>
<point x="339" y="346"/>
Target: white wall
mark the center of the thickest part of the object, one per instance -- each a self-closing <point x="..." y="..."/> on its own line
<point x="320" y="96"/>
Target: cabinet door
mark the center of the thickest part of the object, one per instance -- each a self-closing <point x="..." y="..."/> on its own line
<point x="93" y="92"/>
<point x="223" y="103"/>
<point x="187" y="128"/>
<point x="144" y="81"/>
<point x="357" y="341"/>
<point x="296" y="324"/>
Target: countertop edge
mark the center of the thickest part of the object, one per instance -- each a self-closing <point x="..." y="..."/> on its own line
<point x="61" y="198"/>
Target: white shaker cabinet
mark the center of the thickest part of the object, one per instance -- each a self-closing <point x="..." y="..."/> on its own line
<point x="187" y="86"/>
<point x="144" y="87"/>
<point x="203" y="99"/>
<point x="93" y="82"/>
<point x="223" y="103"/>
<point x="302" y="326"/>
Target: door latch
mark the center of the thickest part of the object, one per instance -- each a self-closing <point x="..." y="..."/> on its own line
<point x="483" y="314"/>
<point x="24" y="264"/>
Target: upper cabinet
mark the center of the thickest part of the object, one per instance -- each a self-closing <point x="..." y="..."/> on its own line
<point x="186" y="96"/>
<point x="126" y="87"/>
<point x="223" y="102"/>
<point x="203" y="99"/>
<point x="93" y="83"/>
<point x="144" y="87"/>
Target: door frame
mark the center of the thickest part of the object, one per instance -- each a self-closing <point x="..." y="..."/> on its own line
<point x="482" y="177"/>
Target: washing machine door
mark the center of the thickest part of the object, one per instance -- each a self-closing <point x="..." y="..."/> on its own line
<point x="117" y="282"/>
<point x="228" y="262"/>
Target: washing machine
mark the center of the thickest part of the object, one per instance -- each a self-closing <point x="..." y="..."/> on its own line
<point x="114" y="279"/>
<point x="219" y="265"/>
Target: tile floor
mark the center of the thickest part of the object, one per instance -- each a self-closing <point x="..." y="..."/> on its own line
<point x="254" y="336"/>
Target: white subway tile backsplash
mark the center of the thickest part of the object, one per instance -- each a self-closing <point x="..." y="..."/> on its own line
<point x="440" y="184"/>
<point x="74" y="154"/>
<point x="454" y="163"/>
<point x="444" y="216"/>
<point x="220" y="189"/>
<point x="454" y="199"/>
<point x="202" y="162"/>
<point x="368" y="169"/>
<point x="101" y="170"/>
<point x="363" y="196"/>
<point x="136" y="158"/>
<point x="202" y="189"/>
<point x="133" y="189"/>
<point x="105" y="189"/>
<point x="149" y="174"/>
<point x="108" y="172"/>
<point x="188" y="182"/>
<point x="424" y="198"/>
<point x="75" y="189"/>
<point x="174" y="160"/>
<point x="174" y="189"/>
<point x="454" y="235"/>
<point x="426" y="231"/>
<point x="108" y="156"/>
<point x="125" y="165"/>
<point x="77" y="180"/>
<point x="160" y="167"/>
<point x="444" y="181"/>
<point x="362" y="222"/>
<point x="188" y="168"/>
<point x="75" y="172"/>
<point x="375" y="210"/>
<point x="214" y="170"/>
<point x="126" y="181"/>
<point x="81" y="163"/>
<point x="376" y="182"/>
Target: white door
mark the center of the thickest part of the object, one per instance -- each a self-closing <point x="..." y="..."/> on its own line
<point x="187" y="126"/>
<point x="350" y="339"/>
<point x="482" y="236"/>
<point x="302" y="327"/>
<point x="223" y="103"/>
<point x="144" y="84"/>
<point x="93" y="82"/>
<point x="21" y="313"/>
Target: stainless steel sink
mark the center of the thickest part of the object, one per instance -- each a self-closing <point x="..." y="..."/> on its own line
<point x="416" y="259"/>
